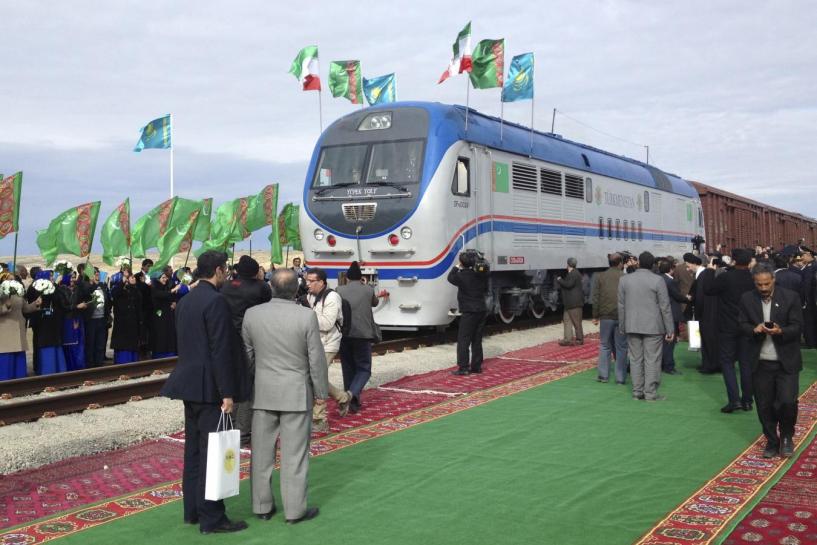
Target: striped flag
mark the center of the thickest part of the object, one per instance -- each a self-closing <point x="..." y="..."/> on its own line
<point x="306" y="69"/>
<point x="461" y="61"/>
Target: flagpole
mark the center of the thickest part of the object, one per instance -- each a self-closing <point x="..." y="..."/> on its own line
<point x="171" y="155"/>
<point x="467" y="100"/>
<point x="320" y="109"/>
<point x="501" y="117"/>
<point x="531" y="125"/>
<point x="14" y="259"/>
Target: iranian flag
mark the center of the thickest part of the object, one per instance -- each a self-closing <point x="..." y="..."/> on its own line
<point x="305" y="68"/>
<point x="461" y="61"/>
<point x="488" y="64"/>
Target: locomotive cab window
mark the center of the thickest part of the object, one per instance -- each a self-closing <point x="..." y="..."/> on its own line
<point x="341" y="165"/>
<point x="461" y="184"/>
<point x="395" y="162"/>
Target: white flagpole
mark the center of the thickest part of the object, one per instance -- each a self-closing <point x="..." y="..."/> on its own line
<point x="172" y="145"/>
<point x="467" y="99"/>
<point x="320" y="109"/>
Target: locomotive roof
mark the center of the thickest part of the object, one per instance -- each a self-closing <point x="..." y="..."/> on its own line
<point x="448" y="123"/>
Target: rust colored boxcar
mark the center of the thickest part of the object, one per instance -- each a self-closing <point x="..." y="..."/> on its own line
<point x="738" y="222"/>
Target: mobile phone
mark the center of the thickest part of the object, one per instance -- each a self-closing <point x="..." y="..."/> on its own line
<point x="768" y="325"/>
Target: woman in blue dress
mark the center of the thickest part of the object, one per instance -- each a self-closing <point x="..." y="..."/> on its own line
<point x="47" y="324"/>
<point x="73" y="324"/>
<point x="13" y="341"/>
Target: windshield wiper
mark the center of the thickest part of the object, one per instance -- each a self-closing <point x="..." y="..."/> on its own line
<point x="327" y="188"/>
<point x="389" y="184"/>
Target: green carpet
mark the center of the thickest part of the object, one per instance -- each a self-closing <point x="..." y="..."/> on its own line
<point x="570" y="462"/>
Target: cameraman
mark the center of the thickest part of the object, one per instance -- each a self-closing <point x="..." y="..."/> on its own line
<point x="471" y="289"/>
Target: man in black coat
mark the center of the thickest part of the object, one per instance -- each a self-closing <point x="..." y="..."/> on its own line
<point x="573" y="302"/>
<point x="729" y="287"/>
<point x="97" y="321"/>
<point x="788" y="276"/>
<point x="809" y="309"/>
<point x="471" y="289"/>
<point x="771" y="319"/>
<point x="208" y="379"/>
<point x="704" y="309"/>
<point x="241" y="292"/>
<point x="676" y="299"/>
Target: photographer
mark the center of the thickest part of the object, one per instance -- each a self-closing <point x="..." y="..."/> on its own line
<point x="471" y="289"/>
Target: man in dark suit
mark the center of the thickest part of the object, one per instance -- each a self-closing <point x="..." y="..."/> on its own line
<point x="729" y="287"/>
<point x="704" y="309"/>
<point x="471" y="288"/>
<point x="676" y="299"/>
<point x="809" y="308"/>
<point x="208" y="378"/>
<point x="788" y="276"/>
<point x="772" y="320"/>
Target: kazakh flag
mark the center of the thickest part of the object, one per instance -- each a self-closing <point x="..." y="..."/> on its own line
<point x="155" y="134"/>
<point x="519" y="85"/>
<point x="379" y="90"/>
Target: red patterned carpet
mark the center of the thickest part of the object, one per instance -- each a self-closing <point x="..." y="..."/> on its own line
<point x="70" y="484"/>
<point x="788" y="513"/>
<point x="76" y="482"/>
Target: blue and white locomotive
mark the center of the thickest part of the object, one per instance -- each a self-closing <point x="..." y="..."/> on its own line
<point x="404" y="188"/>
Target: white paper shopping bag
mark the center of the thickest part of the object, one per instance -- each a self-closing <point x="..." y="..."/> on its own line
<point x="694" y="328"/>
<point x="223" y="461"/>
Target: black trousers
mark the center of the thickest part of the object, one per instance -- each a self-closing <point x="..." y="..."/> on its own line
<point x="710" y="357"/>
<point x="96" y="337"/>
<point x="199" y="420"/>
<point x="776" y="399"/>
<point x="469" y="339"/>
<point x="733" y="347"/>
<point x="810" y="324"/>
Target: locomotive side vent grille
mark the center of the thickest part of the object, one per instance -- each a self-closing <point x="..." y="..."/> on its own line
<point x="359" y="212"/>
<point x="524" y="176"/>
<point x="574" y="186"/>
<point x="551" y="181"/>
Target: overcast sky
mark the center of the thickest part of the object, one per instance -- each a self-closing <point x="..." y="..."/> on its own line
<point x="722" y="91"/>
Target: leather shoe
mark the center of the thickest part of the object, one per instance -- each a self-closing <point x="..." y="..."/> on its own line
<point x="730" y="408"/>
<point x="746" y="406"/>
<point x="639" y="398"/>
<point x="226" y="527"/>
<point x="656" y="398"/>
<point x="600" y="379"/>
<point x="565" y="343"/>
<point x="194" y="520"/>
<point x="266" y="516"/>
<point x="786" y="447"/>
<point x="673" y="372"/>
<point x="475" y="371"/>
<point x="311" y="512"/>
<point x="343" y="406"/>
<point x="770" y="451"/>
<point x="460" y="372"/>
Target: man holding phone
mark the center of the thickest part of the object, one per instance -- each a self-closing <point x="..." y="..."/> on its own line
<point x="772" y="320"/>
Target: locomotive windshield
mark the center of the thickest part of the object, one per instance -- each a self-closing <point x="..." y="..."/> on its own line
<point x="384" y="163"/>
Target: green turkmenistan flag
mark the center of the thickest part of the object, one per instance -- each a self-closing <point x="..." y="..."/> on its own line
<point x="150" y="227"/>
<point x="289" y="231"/>
<point x="236" y="219"/>
<point x="202" y="230"/>
<point x="10" y="203"/>
<point x="116" y="234"/>
<point x="179" y="235"/>
<point x="276" y="248"/>
<point x="72" y="232"/>
<point x="262" y="208"/>
<point x="488" y="64"/>
<point x="345" y="80"/>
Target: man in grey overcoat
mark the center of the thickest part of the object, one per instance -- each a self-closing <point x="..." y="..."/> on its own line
<point x="645" y="316"/>
<point x="283" y="344"/>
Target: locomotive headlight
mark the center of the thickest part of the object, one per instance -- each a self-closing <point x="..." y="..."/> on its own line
<point x="406" y="232"/>
<point x="375" y="121"/>
<point x="318" y="234"/>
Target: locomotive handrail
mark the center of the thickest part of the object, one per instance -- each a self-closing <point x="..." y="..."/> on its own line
<point x="362" y="197"/>
<point x="410" y="251"/>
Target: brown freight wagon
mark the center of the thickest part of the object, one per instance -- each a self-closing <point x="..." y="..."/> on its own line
<point x="738" y="222"/>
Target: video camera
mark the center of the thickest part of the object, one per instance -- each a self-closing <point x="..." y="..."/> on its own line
<point x="481" y="265"/>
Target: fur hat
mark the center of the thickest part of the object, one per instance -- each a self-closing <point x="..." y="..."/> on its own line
<point x="247" y="267"/>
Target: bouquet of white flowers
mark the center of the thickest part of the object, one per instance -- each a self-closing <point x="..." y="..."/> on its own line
<point x="63" y="267"/>
<point x="187" y="279"/>
<point x="122" y="261"/>
<point x="97" y="299"/>
<point x="11" y="287"/>
<point x="44" y="286"/>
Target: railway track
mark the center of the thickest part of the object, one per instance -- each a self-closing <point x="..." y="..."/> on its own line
<point x="32" y="398"/>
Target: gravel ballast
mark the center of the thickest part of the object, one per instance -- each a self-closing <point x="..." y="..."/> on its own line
<point x="29" y="445"/>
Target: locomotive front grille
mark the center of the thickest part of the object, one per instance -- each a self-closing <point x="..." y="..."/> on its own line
<point x="359" y="212"/>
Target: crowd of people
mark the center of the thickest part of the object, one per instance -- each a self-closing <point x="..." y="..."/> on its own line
<point x="753" y="309"/>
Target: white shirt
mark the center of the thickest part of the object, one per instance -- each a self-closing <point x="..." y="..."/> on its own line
<point x="768" y="351"/>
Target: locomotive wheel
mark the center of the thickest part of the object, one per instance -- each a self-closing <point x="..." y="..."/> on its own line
<point x="506" y="316"/>
<point x="537" y="308"/>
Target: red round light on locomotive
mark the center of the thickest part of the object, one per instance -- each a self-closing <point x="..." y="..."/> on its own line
<point x="393" y="239"/>
<point x="331" y="241"/>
